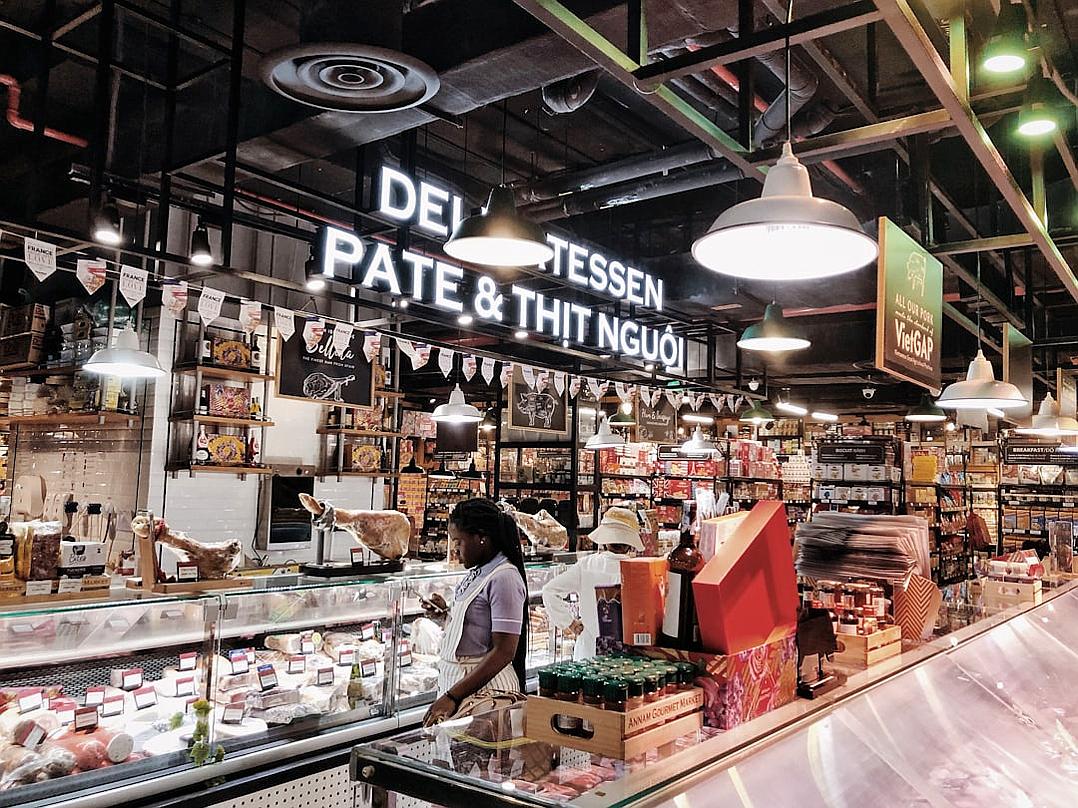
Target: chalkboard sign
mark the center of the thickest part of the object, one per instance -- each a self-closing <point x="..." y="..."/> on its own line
<point x="535" y="409"/>
<point x="656" y="424"/>
<point x="310" y="368"/>
<point x="851" y="452"/>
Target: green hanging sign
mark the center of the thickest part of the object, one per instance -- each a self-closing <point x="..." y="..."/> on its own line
<point x="909" y="309"/>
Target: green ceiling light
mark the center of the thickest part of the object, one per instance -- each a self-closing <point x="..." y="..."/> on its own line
<point x="1038" y="116"/>
<point x="622" y="418"/>
<point x="490" y="420"/>
<point x="926" y="411"/>
<point x="774" y="333"/>
<point x="498" y="236"/>
<point x="1006" y="51"/>
<point x="980" y="390"/>
<point x="442" y="473"/>
<point x="756" y="415"/>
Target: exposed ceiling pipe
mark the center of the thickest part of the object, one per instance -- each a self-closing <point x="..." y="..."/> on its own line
<point x="14" y="117"/>
<point x="569" y="95"/>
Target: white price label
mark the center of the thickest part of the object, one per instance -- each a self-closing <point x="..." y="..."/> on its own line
<point x="131" y="679"/>
<point x="306" y="644"/>
<point x="30" y="699"/>
<point x="69" y="585"/>
<point x="267" y="677"/>
<point x="297" y="664"/>
<point x="366" y="631"/>
<point x="185" y="686"/>
<point x="85" y="718"/>
<point x="188" y="661"/>
<point x="347" y="655"/>
<point x="238" y="659"/>
<point x="369" y="667"/>
<point x="94" y="696"/>
<point x="186" y="572"/>
<point x="357" y="554"/>
<point x="232" y="714"/>
<point x="38" y="588"/>
<point x="250" y="653"/>
<point x="324" y="676"/>
<point x="112" y="705"/>
<point x="145" y="697"/>
<point x="64" y="709"/>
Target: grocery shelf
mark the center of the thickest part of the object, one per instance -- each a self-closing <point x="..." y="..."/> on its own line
<point x="99" y="418"/>
<point x="327" y="429"/>
<point x="347" y="473"/>
<point x="218" y="372"/>
<point x="220" y="420"/>
<point x="194" y="468"/>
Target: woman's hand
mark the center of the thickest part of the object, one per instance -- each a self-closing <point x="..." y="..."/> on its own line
<point x="444" y="707"/>
<point x="575" y="628"/>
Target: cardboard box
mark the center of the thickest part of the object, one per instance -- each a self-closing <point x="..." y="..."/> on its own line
<point x="31" y="318"/>
<point x="740" y="687"/>
<point x="748" y="590"/>
<point x="22" y="351"/>
<point x="643" y="591"/>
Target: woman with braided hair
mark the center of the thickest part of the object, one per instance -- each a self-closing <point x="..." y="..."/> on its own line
<point x="486" y="637"/>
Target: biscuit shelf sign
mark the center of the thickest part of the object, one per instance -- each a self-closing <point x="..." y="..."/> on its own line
<point x="321" y="363"/>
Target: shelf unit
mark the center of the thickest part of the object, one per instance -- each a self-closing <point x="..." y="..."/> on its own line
<point x="442" y="495"/>
<point x="944" y="506"/>
<point x="854" y="451"/>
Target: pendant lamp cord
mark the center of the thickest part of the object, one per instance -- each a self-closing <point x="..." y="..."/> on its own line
<point x="789" y="21"/>
<point x="979" y="303"/>
<point x="505" y="126"/>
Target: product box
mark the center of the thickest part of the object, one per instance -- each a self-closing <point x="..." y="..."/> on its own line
<point x="231" y="353"/>
<point x="875" y="494"/>
<point x="643" y="586"/>
<point x="855" y="471"/>
<point x="742" y="686"/>
<point x="832" y="471"/>
<point x="748" y="589"/>
<point x="226" y="401"/>
<point x="21" y="351"/>
<point x="82" y="558"/>
<point x="31" y="318"/>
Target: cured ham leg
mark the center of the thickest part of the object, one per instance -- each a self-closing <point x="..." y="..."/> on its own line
<point x="384" y="533"/>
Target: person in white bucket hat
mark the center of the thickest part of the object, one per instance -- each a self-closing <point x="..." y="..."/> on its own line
<point x="617" y="535"/>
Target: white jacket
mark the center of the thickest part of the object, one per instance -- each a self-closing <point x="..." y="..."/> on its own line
<point x="602" y="568"/>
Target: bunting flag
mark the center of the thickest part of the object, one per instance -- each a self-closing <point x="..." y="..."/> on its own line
<point x="595" y="389"/>
<point x="173" y="296"/>
<point x="445" y="360"/>
<point x="209" y="301"/>
<point x="674" y="399"/>
<point x="285" y="322"/>
<point x="717" y="401"/>
<point x="250" y="315"/>
<point x="528" y="373"/>
<point x="406" y="348"/>
<point x="372" y="345"/>
<point x="559" y="381"/>
<point x="342" y="338"/>
<point x="603" y="387"/>
<point x="40" y="256"/>
<point x="622" y="391"/>
<point x="91" y="275"/>
<point x="507" y="373"/>
<point x="421" y="355"/>
<point x="314" y="328"/>
<point x="736" y="402"/>
<point x="133" y="285"/>
<point x="468" y="365"/>
<point x="542" y="380"/>
<point x="488" y="369"/>
<point x="574" y="386"/>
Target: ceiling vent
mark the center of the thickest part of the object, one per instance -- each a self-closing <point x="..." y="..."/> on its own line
<point x="349" y="60"/>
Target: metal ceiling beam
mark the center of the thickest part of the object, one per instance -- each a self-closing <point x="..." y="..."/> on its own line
<point x="757" y="43"/>
<point x="970" y="326"/>
<point x="976" y="245"/>
<point x="900" y="17"/>
<point x="607" y="55"/>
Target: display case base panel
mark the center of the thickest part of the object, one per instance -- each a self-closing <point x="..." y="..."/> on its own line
<point x="192" y="588"/>
<point x="344" y="570"/>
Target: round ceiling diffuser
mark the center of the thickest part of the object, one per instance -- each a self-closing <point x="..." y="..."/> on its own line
<point x="349" y="77"/>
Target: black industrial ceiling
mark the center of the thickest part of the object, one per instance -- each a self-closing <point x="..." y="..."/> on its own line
<point x="131" y="91"/>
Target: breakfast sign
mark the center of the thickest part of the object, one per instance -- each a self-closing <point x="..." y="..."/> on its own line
<point x="909" y="309"/>
<point x="324" y="362"/>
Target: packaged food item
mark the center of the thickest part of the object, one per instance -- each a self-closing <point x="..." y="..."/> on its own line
<point x="642" y="604"/>
<point x="37" y="550"/>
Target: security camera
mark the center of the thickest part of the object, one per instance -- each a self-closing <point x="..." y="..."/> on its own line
<point x="754" y="385"/>
<point x="868" y="392"/>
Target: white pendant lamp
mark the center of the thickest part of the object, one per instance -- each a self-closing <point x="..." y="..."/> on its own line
<point x="499" y="236"/>
<point x="1048" y="423"/>
<point x="980" y="390"/>
<point x="125" y="359"/>
<point x="604" y="437"/>
<point x="787" y="234"/>
<point x="698" y="445"/>
<point x="457" y="410"/>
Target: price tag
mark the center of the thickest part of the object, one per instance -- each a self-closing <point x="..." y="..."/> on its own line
<point x="189" y="705"/>
<point x="7" y="547"/>
<point x="250" y="654"/>
<point x="306" y="643"/>
<point x="86" y="718"/>
<point x="185" y="686"/>
<point x="297" y="663"/>
<point x="64" y="709"/>
<point x="171" y="614"/>
<point x="32" y="735"/>
<point x="118" y="624"/>
<point x="238" y="660"/>
<point x="21" y="628"/>
<point x="188" y="661"/>
<point x="366" y="631"/>
<point x="38" y="588"/>
<point x="69" y="585"/>
<point x="94" y="696"/>
<point x="324" y="676"/>
<point x="30" y="699"/>
<point x="186" y="571"/>
<point x="369" y="668"/>
<point x="1067" y="504"/>
<point x="112" y="705"/>
<point x="131" y="679"/>
<point x="347" y="655"/>
<point x="145" y="697"/>
<point x="267" y="676"/>
<point x="357" y="555"/>
<point x="232" y="714"/>
<point x="405" y="659"/>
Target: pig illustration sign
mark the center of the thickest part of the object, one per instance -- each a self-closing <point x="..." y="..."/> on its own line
<point x="538" y="409"/>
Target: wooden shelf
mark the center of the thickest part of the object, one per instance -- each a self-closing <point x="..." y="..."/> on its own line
<point x="73" y="419"/>
<point x="196" y="469"/>
<point x="327" y="429"/>
<point x="232" y="374"/>
<point x="388" y="394"/>
<point x="347" y="473"/>
<point x="61" y="370"/>
<point x="221" y="420"/>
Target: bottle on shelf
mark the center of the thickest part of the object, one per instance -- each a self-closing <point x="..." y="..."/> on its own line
<point x="680" y="628"/>
<point x="202" y="446"/>
<point x="256" y="409"/>
<point x="204" y="400"/>
<point x="205" y="350"/>
<point x="254" y="452"/>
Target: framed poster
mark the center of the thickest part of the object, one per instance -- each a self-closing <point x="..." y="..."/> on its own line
<point x="909" y="309"/>
<point x="312" y="366"/>
<point x="656" y="424"/>
<point x="537" y="410"/>
<point x="456" y="438"/>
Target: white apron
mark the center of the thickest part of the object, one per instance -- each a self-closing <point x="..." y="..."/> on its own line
<point x="453" y="668"/>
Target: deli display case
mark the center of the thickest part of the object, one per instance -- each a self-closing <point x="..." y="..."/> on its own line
<point x="169" y="692"/>
<point x="981" y="716"/>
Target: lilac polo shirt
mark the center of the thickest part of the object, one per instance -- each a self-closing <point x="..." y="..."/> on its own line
<point x="499" y="606"/>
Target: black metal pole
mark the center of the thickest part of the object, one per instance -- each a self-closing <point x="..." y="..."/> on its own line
<point x="746" y="91"/>
<point x="235" y="85"/>
<point x="40" y="107"/>
<point x="169" y="125"/>
<point x="102" y="90"/>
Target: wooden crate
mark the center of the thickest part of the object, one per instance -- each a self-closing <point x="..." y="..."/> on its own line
<point x="1005" y="594"/>
<point x="864" y="650"/>
<point x="613" y="734"/>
